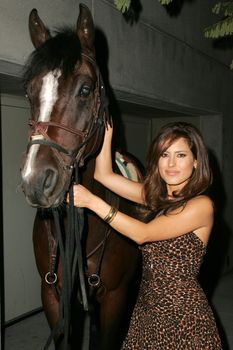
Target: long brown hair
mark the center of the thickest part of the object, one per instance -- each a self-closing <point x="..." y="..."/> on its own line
<point x="155" y="190"/>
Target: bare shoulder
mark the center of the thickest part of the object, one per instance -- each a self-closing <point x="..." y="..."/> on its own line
<point x="203" y="209"/>
<point x="201" y="203"/>
<point x="196" y="216"/>
<point x="198" y="205"/>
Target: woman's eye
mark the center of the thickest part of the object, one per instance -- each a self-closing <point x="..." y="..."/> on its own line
<point x="181" y="155"/>
<point x="164" y="155"/>
<point x="84" y="91"/>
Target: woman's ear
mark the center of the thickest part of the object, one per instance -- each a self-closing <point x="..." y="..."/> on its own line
<point x="195" y="164"/>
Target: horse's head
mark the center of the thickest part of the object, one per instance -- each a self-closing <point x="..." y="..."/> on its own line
<point x="65" y="91"/>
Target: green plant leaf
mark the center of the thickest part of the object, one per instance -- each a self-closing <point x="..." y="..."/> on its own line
<point x="225" y="8"/>
<point x="217" y="8"/>
<point x="165" y="2"/>
<point x="220" y="29"/>
<point x="122" y="5"/>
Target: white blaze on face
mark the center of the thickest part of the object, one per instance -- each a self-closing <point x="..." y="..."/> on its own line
<point x="48" y="98"/>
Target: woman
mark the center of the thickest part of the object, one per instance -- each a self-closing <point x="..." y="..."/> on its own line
<point x="171" y="311"/>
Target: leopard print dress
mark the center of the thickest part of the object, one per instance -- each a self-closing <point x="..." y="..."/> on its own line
<point x="172" y="312"/>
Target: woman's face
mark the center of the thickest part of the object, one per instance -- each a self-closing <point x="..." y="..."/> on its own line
<point x="176" y="165"/>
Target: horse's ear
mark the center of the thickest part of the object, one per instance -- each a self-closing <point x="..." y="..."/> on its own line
<point x="85" y="29"/>
<point x="39" y="33"/>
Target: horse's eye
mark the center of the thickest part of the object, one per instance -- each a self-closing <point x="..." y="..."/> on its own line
<point x="84" y="91"/>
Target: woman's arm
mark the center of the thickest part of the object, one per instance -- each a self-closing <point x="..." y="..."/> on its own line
<point x="122" y="186"/>
<point x="197" y="216"/>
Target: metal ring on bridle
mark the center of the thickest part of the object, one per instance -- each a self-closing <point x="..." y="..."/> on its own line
<point x="94" y="280"/>
<point x="51" y="277"/>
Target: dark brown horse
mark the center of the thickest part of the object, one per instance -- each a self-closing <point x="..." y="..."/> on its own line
<point x="68" y="117"/>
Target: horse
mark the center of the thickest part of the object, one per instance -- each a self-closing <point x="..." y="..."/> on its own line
<point x="69" y="114"/>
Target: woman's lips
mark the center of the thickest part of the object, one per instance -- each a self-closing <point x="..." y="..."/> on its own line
<point x="172" y="173"/>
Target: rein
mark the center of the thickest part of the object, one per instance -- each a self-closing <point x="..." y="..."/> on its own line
<point x="70" y="247"/>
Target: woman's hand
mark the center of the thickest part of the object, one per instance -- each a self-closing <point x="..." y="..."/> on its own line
<point x="104" y="173"/>
<point x="82" y="197"/>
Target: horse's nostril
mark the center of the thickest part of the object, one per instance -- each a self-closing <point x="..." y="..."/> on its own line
<point x="50" y="179"/>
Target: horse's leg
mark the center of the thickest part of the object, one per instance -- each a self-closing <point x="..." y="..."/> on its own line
<point x="51" y="310"/>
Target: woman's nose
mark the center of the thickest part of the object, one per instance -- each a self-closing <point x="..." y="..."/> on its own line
<point x="171" y="161"/>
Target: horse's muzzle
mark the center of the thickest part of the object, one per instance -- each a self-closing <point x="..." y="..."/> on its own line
<point x="43" y="188"/>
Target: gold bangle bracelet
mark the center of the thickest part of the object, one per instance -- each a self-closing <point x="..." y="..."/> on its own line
<point x="111" y="215"/>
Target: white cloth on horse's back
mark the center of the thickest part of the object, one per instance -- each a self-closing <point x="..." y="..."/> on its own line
<point x="126" y="167"/>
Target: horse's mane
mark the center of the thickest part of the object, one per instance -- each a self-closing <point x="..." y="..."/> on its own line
<point x="60" y="51"/>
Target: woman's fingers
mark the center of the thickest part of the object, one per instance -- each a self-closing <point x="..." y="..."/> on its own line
<point x="77" y="194"/>
<point x="81" y="196"/>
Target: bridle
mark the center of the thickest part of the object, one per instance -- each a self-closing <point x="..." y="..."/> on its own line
<point x="71" y="249"/>
<point x="38" y="129"/>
